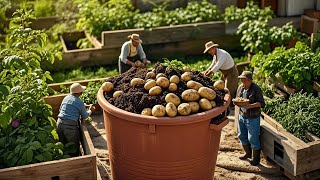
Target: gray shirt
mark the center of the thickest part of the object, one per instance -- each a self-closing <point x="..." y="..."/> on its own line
<point x="125" y="52"/>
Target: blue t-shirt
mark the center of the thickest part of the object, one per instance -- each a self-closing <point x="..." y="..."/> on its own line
<point x="72" y="108"/>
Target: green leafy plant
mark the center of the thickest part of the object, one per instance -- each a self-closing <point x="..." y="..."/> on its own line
<point x="89" y="96"/>
<point x="297" y="115"/>
<point x="297" y="66"/>
<point x="282" y="35"/>
<point x="43" y="8"/>
<point x="120" y="14"/>
<point x="84" y="43"/>
<point x="251" y="12"/>
<point x="27" y="129"/>
<point x="173" y="63"/>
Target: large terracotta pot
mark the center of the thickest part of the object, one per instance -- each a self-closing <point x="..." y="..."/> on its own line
<point x="147" y="147"/>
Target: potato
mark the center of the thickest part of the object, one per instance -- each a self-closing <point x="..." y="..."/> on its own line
<point x="194" y="107"/>
<point x="190" y="95"/>
<point x="163" y="82"/>
<point x="213" y="103"/>
<point x="107" y="86"/>
<point x="146" y="111"/>
<point x="150" y="84"/>
<point x="136" y="81"/>
<point x="207" y="93"/>
<point x="194" y="85"/>
<point x="155" y="91"/>
<point x="174" y="79"/>
<point x="219" y="85"/>
<point x="184" y="109"/>
<point x="139" y="64"/>
<point x="117" y="94"/>
<point x="171" y="110"/>
<point x="172" y="87"/>
<point x="160" y="75"/>
<point x="205" y="104"/>
<point x="151" y="75"/>
<point x="172" y="98"/>
<point x="187" y="76"/>
<point x="158" y="111"/>
<point x="149" y="80"/>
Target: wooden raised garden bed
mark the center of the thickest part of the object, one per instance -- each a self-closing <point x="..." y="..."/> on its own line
<point x="187" y="39"/>
<point x="81" y="167"/>
<point x="296" y="157"/>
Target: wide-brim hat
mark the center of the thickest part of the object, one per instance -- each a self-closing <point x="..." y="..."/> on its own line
<point x="209" y="45"/>
<point x="135" y="38"/>
<point x="246" y="75"/>
<point x="76" y="88"/>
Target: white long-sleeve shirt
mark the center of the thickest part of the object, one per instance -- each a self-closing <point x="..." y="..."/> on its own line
<point x="222" y="60"/>
<point x="125" y="49"/>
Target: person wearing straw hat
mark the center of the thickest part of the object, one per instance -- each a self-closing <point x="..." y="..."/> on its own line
<point x="249" y="117"/>
<point x="223" y="61"/>
<point x="131" y="52"/>
<point x="71" y="109"/>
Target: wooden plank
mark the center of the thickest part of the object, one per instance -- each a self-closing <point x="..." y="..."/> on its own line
<point x="87" y="144"/>
<point x="55" y="102"/>
<point x="279" y="83"/>
<point x="83" y="167"/>
<point x="312" y="137"/>
<point x="57" y="86"/>
<point x="242" y="65"/>
<point x="280" y="129"/>
<point x="165" y="34"/>
<point x="93" y="40"/>
<point x="308" y="158"/>
<point x="298" y="157"/>
<point x="285" y="155"/>
<point x="309" y="25"/>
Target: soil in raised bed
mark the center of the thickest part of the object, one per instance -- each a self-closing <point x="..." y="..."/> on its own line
<point x="135" y="99"/>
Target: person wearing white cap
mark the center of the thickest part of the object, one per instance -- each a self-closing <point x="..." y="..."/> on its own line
<point x="223" y="61"/>
<point x="131" y="51"/>
<point x="71" y="109"/>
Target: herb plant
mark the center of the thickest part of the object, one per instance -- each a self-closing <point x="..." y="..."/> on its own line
<point x="89" y="96"/>
<point x="297" y="115"/>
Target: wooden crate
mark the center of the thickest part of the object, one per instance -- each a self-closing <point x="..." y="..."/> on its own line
<point x="75" y="168"/>
<point x="295" y="156"/>
<point x="309" y="25"/>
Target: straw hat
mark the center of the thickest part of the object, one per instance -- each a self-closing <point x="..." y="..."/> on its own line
<point x="209" y="45"/>
<point x="135" y="37"/>
<point x="76" y="88"/>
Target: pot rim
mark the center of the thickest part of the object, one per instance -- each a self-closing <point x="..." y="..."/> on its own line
<point x="138" y="118"/>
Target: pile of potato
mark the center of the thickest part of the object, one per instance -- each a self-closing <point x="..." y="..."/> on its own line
<point x="196" y="98"/>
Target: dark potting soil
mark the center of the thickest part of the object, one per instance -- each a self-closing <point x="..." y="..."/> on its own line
<point x="135" y="99"/>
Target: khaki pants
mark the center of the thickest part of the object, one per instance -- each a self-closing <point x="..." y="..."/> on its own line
<point x="230" y="77"/>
